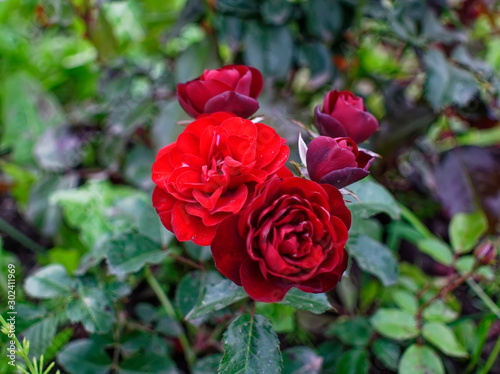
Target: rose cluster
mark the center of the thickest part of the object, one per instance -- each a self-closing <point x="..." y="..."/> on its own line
<point x="224" y="183"/>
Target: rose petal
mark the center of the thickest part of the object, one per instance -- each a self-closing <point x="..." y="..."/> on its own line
<point x="187" y="227"/>
<point x="240" y="105"/>
<point x="257" y="287"/>
<point x="344" y="177"/>
<point x="327" y="125"/>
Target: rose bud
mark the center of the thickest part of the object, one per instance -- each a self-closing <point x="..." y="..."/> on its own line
<point x="291" y="235"/>
<point x="232" y="88"/>
<point x="344" y="114"/>
<point x="211" y="172"/>
<point x="337" y="161"/>
<point x="486" y="253"/>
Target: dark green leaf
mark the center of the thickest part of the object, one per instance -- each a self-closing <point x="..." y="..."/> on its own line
<point x="241" y="8"/>
<point x="148" y="362"/>
<point x="41" y="334"/>
<point x="84" y="356"/>
<point x="250" y="346"/>
<point x="301" y="360"/>
<point x="198" y="252"/>
<point x="316" y="303"/>
<point x="331" y="352"/>
<point x="269" y="49"/>
<point x="357" y="331"/>
<point x="354" y="361"/>
<point x="374" y="258"/>
<point x="130" y="252"/>
<point x="395" y="324"/>
<point x="387" y="352"/>
<point x="420" y="360"/>
<point x="207" y="364"/>
<point x="276" y="12"/>
<point x="217" y="294"/>
<point x="323" y="18"/>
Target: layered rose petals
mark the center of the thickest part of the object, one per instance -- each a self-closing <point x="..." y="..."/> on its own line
<point x="344" y="114"/>
<point x="291" y="235"/>
<point x="211" y="172"/>
<point x="337" y="162"/>
<point x="232" y="88"/>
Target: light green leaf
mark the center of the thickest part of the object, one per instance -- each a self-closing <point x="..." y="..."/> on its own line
<point x="466" y="229"/>
<point x="84" y="356"/>
<point x="374" y="198"/>
<point x="282" y="317"/>
<point x="405" y="300"/>
<point x="216" y="295"/>
<point x="438" y="311"/>
<point x="395" y="324"/>
<point x="374" y="258"/>
<point x="41" y="334"/>
<point x="130" y="252"/>
<point x="93" y="309"/>
<point x="444" y="338"/>
<point x="49" y="282"/>
<point x="301" y="360"/>
<point x="316" y="303"/>
<point x="250" y="346"/>
<point x="437" y="249"/>
<point x="420" y="360"/>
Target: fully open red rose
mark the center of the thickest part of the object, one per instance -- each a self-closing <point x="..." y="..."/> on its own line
<point x="232" y="88"/>
<point x="291" y="235"/>
<point x="344" y="114"/>
<point x="337" y="161"/>
<point x="211" y="171"/>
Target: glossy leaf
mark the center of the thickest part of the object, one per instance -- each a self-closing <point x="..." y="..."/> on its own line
<point x="356" y="331"/>
<point x="49" y="282"/>
<point x="84" y="356"/>
<point x="301" y="360"/>
<point x="466" y="229"/>
<point x="316" y="303"/>
<point x="437" y="249"/>
<point x="250" y="346"/>
<point x="387" y="352"/>
<point x="354" y="361"/>
<point x="374" y="258"/>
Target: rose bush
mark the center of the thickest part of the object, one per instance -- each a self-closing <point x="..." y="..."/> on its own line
<point x="337" y="161"/>
<point x="211" y="172"/>
<point x="232" y="88"/>
<point x="291" y="235"/>
<point x="344" y="114"/>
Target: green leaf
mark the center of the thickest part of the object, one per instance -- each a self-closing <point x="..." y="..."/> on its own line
<point x="148" y="362"/>
<point x="374" y="258"/>
<point x="41" y="334"/>
<point x="405" y="300"/>
<point x="27" y="111"/>
<point x="395" y="324"/>
<point x="268" y="48"/>
<point x="198" y="252"/>
<point x="438" y="311"/>
<point x="241" y="8"/>
<point x="331" y="351"/>
<point x="282" y="317"/>
<point x="374" y="198"/>
<point x="207" y="364"/>
<point x="67" y="257"/>
<point x="216" y="295"/>
<point x="316" y="303"/>
<point x="130" y="252"/>
<point x="444" y="338"/>
<point x="445" y="83"/>
<point x="93" y="309"/>
<point x="356" y="331"/>
<point x="466" y="229"/>
<point x="420" y="360"/>
<point x="84" y="356"/>
<point x="437" y="249"/>
<point x="250" y="346"/>
<point x="193" y="61"/>
<point x="49" y="282"/>
<point x="387" y="352"/>
<point x="354" y="361"/>
<point x="324" y="18"/>
<point x="301" y="360"/>
<point x="59" y="341"/>
<point x="191" y="287"/>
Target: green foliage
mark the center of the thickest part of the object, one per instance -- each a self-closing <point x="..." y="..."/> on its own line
<point x="420" y="359"/>
<point x="250" y="345"/>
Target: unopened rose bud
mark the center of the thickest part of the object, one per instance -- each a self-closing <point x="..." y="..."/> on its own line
<point x="486" y="253"/>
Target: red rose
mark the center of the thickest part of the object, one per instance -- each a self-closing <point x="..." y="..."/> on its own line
<point x="211" y="171"/>
<point x="291" y="235"/>
<point x="344" y="114"/>
<point x="337" y="161"/>
<point x="232" y="88"/>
